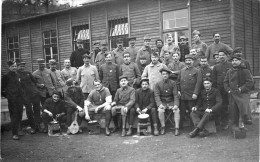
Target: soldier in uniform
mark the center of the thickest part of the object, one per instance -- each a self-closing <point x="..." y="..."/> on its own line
<point x="197" y="44"/>
<point x="44" y="81"/>
<point x="109" y="74"/>
<point x="196" y="58"/>
<point x="12" y="90"/>
<point x="175" y="66"/>
<point x="96" y="50"/>
<point x="100" y="59"/>
<point x="167" y="59"/>
<point x="118" y="52"/>
<point x="159" y="45"/>
<point x="31" y="97"/>
<point x="76" y="56"/>
<point x="132" y="49"/>
<point x="68" y="71"/>
<point x="145" y="50"/>
<point x="189" y="82"/>
<point x="170" y="47"/>
<point x="204" y="67"/>
<point x="184" y="47"/>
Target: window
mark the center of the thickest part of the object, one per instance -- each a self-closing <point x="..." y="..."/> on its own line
<point x="81" y="32"/>
<point x="13" y="48"/>
<point x="50" y="45"/>
<point x="118" y="28"/>
<point x="176" y="23"/>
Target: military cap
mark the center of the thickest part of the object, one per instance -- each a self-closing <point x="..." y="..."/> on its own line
<point x="52" y="62"/>
<point x="189" y="57"/>
<point x="196" y="32"/>
<point x="86" y="56"/>
<point x="122" y="77"/>
<point x="20" y="62"/>
<point x="164" y="69"/>
<point x="207" y="79"/>
<point x="238" y="50"/>
<point x="79" y="41"/>
<point x="96" y="43"/>
<point x="144" y="80"/>
<point x="131" y="38"/>
<point x="156" y="54"/>
<point x="69" y="82"/>
<point x="10" y="63"/>
<point x="40" y="61"/>
<point x="119" y="40"/>
<point x="237" y="56"/>
<point x="147" y="37"/>
<point x="183" y="37"/>
<point x="103" y="43"/>
<point x="57" y="93"/>
<point x="142" y="57"/>
<point x="126" y="52"/>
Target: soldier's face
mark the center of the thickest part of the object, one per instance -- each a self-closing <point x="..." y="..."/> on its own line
<point x="145" y="85"/>
<point x="183" y="41"/>
<point x="13" y="67"/>
<point x="21" y="67"/>
<point x="98" y="85"/>
<point x="193" y="52"/>
<point x="216" y="38"/>
<point x="165" y="75"/>
<point x="216" y="57"/>
<point x="143" y="61"/>
<point x="123" y="82"/>
<point x="166" y="56"/>
<point x="188" y="61"/>
<point x="108" y="58"/>
<point x="55" y="97"/>
<point x="67" y="63"/>
<point x="222" y="56"/>
<point x="86" y="60"/>
<point x="154" y="59"/>
<point x="203" y="62"/>
<point x="196" y="38"/>
<point x="120" y="45"/>
<point x="175" y="57"/>
<point x="104" y="49"/>
<point x="126" y="58"/>
<point x="132" y="42"/>
<point x="159" y="44"/>
<point x="147" y="42"/>
<point x="41" y="66"/>
<point x="53" y="66"/>
<point x="207" y="85"/>
<point x="236" y="62"/>
<point x="169" y="39"/>
<point x="80" y="45"/>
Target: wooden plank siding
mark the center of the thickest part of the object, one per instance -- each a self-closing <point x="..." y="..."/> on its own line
<point x="212" y="17"/>
<point x="80" y="16"/>
<point x="144" y="20"/>
<point x="116" y="9"/>
<point x="64" y="39"/>
<point x="4" y="55"/>
<point x="256" y="36"/>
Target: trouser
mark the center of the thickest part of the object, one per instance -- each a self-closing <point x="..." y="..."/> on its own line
<point x="185" y="105"/>
<point x="70" y="112"/>
<point x="47" y="119"/>
<point x="224" y="111"/>
<point x="33" y="108"/>
<point x="161" y="113"/>
<point x="15" y="107"/>
<point x="200" y="118"/>
<point x="106" y="110"/>
<point x="85" y="95"/>
<point x="152" y="113"/>
<point x="238" y="107"/>
<point x="114" y="111"/>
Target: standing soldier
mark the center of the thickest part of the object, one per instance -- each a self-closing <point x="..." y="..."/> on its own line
<point x="159" y="45"/>
<point x="130" y="70"/>
<point x="109" y="74"/>
<point x="100" y="59"/>
<point x="184" y="47"/>
<point x="145" y="50"/>
<point x="44" y="81"/>
<point x="31" y="97"/>
<point x="218" y="75"/>
<point x="189" y="81"/>
<point x="170" y="47"/>
<point x="12" y="90"/>
<point x="167" y="59"/>
<point x="238" y="82"/>
<point x="132" y="49"/>
<point x="204" y="67"/>
<point x="94" y="53"/>
<point x="118" y="52"/>
<point x="76" y="56"/>
<point x="175" y="66"/>
<point x="197" y="44"/>
<point x="86" y="75"/>
<point x="68" y="71"/>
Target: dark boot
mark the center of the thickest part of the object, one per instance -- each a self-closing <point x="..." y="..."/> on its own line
<point x="123" y="132"/>
<point x="107" y="131"/>
<point x="115" y="124"/>
<point x="129" y="132"/>
<point x="204" y="133"/>
<point x="155" y="130"/>
<point x="194" y="132"/>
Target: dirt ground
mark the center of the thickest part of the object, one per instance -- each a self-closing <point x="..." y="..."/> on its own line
<point x="94" y="148"/>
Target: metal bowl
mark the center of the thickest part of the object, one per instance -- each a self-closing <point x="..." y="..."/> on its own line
<point x="143" y="118"/>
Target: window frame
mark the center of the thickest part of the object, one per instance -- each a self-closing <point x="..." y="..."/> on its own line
<point x="13" y="50"/>
<point x="50" y="45"/>
<point x="86" y="42"/>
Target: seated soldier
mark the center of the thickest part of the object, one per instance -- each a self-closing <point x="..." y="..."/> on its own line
<point x="99" y="98"/>
<point x="56" y="108"/>
<point x="208" y="103"/>
<point x="124" y="100"/>
<point x="144" y="103"/>
<point x="166" y="97"/>
<point x="75" y="97"/>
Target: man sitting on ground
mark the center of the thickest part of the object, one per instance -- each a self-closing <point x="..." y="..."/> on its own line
<point x="209" y="102"/>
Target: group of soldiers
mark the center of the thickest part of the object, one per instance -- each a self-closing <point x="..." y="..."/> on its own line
<point x="201" y="82"/>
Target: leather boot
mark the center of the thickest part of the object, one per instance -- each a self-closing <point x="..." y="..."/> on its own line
<point x="155" y="130"/>
<point x="107" y="131"/>
<point x="129" y="132"/>
<point x="194" y="132"/>
<point x="177" y="132"/>
<point x="123" y="132"/>
<point x="115" y="124"/>
<point x="162" y="130"/>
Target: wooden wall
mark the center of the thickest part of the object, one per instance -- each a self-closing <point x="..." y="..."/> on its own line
<point x="4" y="55"/>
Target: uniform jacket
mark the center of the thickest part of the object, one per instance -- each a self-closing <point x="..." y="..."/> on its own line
<point x="132" y="72"/>
<point x="69" y="73"/>
<point x="118" y="54"/>
<point x="170" y="49"/>
<point x="146" y="52"/>
<point x="58" y="80"/>
<point x="184" y="50"/>
<point x="176" y="67"/>
<point x="98" y="97"/>
<point x="28" y="83"/>
<point x="76" y="57"/>
<point x="219" y="73"/>
<point x="86" y="77"/>
<point x="100" y="59"/>
<point x="74" y="96"/>
<point x="144" y="99"/>
<point x="205" y="71"/>
<point x="133" y="52"/>
<point x="238" y="78"/>
<point x="214" y="48"/>
<point x="44" y="77"/>
<point x="211" y="99"/>
<point x="152" y="72"/>
<point x="166" y="91"/>
<point x="200" y="47"/>
<point x="11" y="85"/>
<point x="141" y="68"/>
<point x="109" y="74"/>
<point x="189" y="82"/>
<point x="125" y="96"/>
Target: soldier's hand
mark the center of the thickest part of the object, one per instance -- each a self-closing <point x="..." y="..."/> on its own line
<point x="96" y="109"/>
<point x="175" y="107"/>
<point x="58" y="115"/>
<point x="138" y="110"/>
<point x="113" y="104"/>
<point x="179" y="93"/>
<point x="161" y="107"/>
<point x="194" y="109"/>
<point x="87" y="117"/>
<point x="208" y="110"/>
<point x="194" y="96"/>
<point x="125" y="109"/>
<point x="50" y="114"/>
<point x="144" y="110"/>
